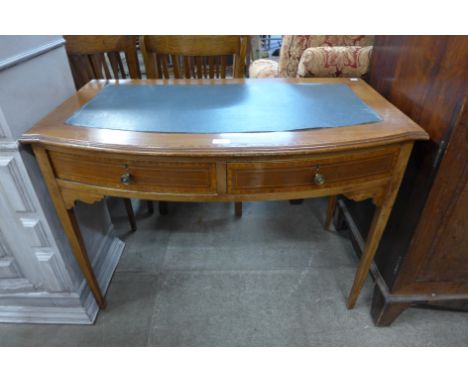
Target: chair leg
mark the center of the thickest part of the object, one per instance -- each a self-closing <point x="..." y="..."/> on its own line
<point x="296" y="201"/>
<point x="130" y="214"/>
<point x="238" y="209"/>
<point x="163" y="210"/>
<point x="330" y="211"/>
<point x="150" y="205"/>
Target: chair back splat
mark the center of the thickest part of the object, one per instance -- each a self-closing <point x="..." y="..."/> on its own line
<point x="109" y="57"/>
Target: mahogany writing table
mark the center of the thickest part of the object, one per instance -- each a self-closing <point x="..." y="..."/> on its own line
<point x="358" y="161"/>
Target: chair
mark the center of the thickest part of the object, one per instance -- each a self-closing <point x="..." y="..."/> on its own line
<point x="195" y="57"/>
<point x="98" y="57"/>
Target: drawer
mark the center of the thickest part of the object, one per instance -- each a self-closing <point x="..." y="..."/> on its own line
<point x="144" y="174"/>
<point x="288" y="175"/>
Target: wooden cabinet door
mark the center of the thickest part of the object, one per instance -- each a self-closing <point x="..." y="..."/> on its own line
<point x="438" y="254"/>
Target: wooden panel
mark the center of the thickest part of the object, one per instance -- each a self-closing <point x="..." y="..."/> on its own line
<point x="449" y="87"/>
<point x="35" y="232"/>
<point x="438" y="253"/>
<point x="12" y="184"/>
<point x="424" y="76"/>
<point x="298" y="175"/>
<point x="448" y="259"/>
<point x="385" y="56"/>
<point x="146" y="175"/>
<point x="8" y="266"/>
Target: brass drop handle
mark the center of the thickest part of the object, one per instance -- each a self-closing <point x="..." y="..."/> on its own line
<point x="319" y="179"/>
<point x="126" y="178"/>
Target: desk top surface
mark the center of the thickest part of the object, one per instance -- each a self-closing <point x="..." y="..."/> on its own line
<point x="393" y="127"/>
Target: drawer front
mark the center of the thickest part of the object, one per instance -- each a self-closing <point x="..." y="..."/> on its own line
<point x="148" y="175"/>
<point x="300" y="175"/>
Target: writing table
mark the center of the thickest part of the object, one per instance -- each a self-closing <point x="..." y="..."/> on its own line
<point x="359" y="161"/>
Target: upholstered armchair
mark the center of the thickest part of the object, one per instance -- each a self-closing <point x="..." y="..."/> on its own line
<point x="317" y="56"/>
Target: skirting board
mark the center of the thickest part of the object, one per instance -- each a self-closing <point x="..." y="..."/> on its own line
<point x="63" y="308"/>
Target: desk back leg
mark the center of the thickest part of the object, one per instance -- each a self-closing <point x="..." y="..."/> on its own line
<point x="238" y="209"/>
<point x="130" y="214"/>
<point x="150" y="205"/>
<point x="70" y="224"/>
<point x="163" y="208"/>
<point x="331" y="207"/>
<point x="379" y="221"/>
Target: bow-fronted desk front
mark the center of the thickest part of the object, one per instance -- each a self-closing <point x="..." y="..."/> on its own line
<point x="229" y="140"/>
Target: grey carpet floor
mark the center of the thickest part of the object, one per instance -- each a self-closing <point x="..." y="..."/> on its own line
<point x="201" y="277"/>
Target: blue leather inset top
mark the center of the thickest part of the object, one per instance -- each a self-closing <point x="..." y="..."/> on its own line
<point x="224" y="108"/>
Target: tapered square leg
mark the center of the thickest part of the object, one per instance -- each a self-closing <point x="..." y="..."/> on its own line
<point x="296" y="201"/>
<point x="163" y="208"/>
<point x="330" y="211"/>
<point x="130" y="214"/>
<point x="81" y="255"/>
<point x="238" y="209"/>
<point x="379" y="221"/>
<point x="150" y="206"/>
<point x="70" y="225"/>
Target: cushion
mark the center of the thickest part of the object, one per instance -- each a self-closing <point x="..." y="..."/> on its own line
<point x="263" y="69"/>
<point x="293" y="47"/>
<point x="338" y="61"/>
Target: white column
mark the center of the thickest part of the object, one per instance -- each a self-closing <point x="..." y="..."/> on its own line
<point x="39" y="278"/>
